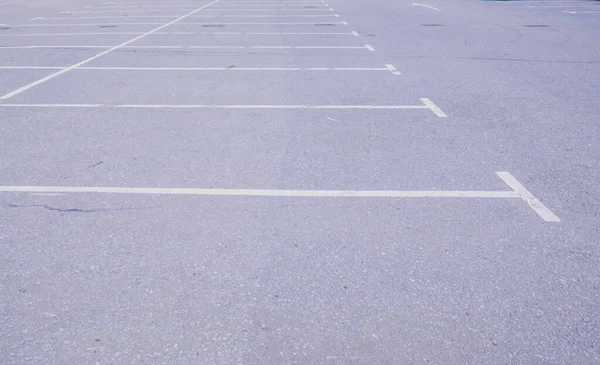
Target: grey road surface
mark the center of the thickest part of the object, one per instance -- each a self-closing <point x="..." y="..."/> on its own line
<point x="299" y="182"/>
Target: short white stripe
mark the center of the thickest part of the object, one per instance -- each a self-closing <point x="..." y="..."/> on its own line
<point x="434" y="108"/>
<point x="524" y="194"/>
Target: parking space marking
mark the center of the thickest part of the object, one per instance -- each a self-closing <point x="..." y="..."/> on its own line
<point x="392" y="69"/>
<point x="265" y="192"/>
<point x="200" y="16"/>
<point x="545" y="213"/>
<point x="370" y="47"/>
<point x="387" y="68"/>
<point x="175" y="21"/>
<point x="434" y="109"/>
<point x="184" y="47"/>
<point x="90" y="59"/>
<point x="173" y="33"/>
<point x="518" y="191"/>
<point x="426" y="6"/>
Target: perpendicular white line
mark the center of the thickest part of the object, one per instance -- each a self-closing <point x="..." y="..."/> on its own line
<point x="90" y="59"/>
<point x="369" y="47"/>
<point x="434" y="108"/>
<point x="212" y="106"/>
<point x="264" y="192"/>
<point x="392" y="69"/>
<point x="200" y="68"/>
<point x="426" y="6"/>
<point x="524" y="194"/>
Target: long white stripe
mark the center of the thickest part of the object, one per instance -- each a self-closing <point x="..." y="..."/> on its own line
<point x="124" y="11"/>
<point x="211" y="106"/>
<point x="90" y="59"/>
<point x="198" y="16"/>
<point x="524" y="194"/>
<point x="265" y="192"/>
<point x="187" y="47"/>
<point x="201" y="68"/>
<point x="169" y="33"/>
<point x="180" y="23"/>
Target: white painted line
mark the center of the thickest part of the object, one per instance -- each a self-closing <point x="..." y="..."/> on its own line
<point x="213" y="106"/>
<point x="76" y="25"/>
<point x="426" y="6"/>
<point x="354" y="33"/>
<point x="178" y="23"/>
<point x="183" y="47"/>
<point x="311" y="6"/>
<point x="581" y="12"/>
<point x="126" y="13"/>
<point x="369" y="47"/>
<point x="392" y="69"/>
<point x="39" y="17"/>
<point x="167" y="33"/>
<point x="87" y="60"/>
<point x="90" y="59"/>
<point x="187" y="8"/>
<point x="88" y="7"/>
<point x="524" y="194"/>
<point x="167" y="3"/>
<point x="199" y="16"/>
<point x="264" y="192"/>
<point x="99" y="68"/>
<point x="32" y="67"/>
<point x="434" y="108"/>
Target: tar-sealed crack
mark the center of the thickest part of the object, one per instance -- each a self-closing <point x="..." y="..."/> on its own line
<point x="71" y="210"/>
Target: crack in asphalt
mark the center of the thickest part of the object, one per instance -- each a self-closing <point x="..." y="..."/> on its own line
<point x="70" y="210"/>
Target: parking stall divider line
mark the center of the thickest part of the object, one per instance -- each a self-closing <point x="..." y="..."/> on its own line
<point x="186" y="23"/>
<point x="265" y="192"/>
<point x="222" y="106"/>
<point x="172" y="33"/>
<point x="90" y="59"/>
<point x="232" y="69"/>
<point x="180" y="47"/>
<point x="203" y="16"/>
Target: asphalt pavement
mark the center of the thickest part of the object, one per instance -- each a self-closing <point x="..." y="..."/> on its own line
<point x="299" y="182"/>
